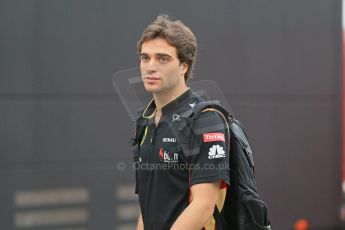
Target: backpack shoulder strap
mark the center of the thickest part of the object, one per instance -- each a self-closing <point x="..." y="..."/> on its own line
<point x="195" y="112"/>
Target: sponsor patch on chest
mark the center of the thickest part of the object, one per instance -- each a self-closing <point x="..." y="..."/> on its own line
<point x="167" y="156"/>
<point x="169" y="139"/>
<point x="210" y="137"/>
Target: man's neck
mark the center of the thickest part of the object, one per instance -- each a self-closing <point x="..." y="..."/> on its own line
<point x="163" y="99"/>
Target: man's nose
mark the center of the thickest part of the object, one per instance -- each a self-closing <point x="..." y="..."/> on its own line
<point x="151" y="65"/>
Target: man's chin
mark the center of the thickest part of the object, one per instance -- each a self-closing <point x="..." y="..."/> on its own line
<point x="151" y="89"/>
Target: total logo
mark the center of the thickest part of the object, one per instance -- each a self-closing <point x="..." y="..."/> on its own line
<point x="167" y="156"/>
<point x="216" y="151"/>
<point x="210" y="137"/>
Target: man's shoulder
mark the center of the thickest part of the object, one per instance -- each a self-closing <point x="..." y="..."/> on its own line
<point x="209" y="119"/>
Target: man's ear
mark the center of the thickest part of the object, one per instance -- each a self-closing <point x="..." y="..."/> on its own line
<point x="184" y="68"/>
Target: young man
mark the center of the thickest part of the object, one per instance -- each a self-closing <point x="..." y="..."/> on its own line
<point x="171" y="195"/>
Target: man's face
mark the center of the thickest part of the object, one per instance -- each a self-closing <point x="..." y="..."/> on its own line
<point x="160" y="67"/>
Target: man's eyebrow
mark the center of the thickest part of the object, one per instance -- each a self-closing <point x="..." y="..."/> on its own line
<point x="163" y="55"/>
<point x="157" y="54"/>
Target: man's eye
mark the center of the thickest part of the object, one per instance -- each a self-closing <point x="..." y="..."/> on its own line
<point x="163" y="59"/>
<point x="144" y="58"/>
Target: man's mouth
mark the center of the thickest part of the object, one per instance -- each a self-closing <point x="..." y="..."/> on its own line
<point x="151" y="78"/>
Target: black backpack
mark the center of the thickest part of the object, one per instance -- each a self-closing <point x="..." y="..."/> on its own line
<point x="243" y="208"/>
